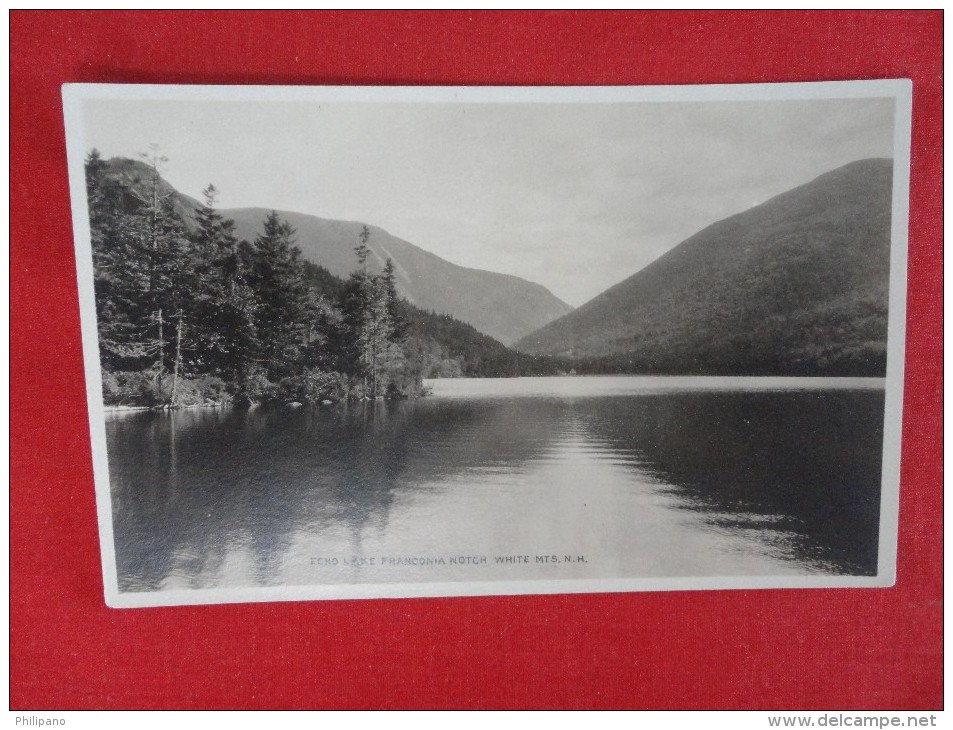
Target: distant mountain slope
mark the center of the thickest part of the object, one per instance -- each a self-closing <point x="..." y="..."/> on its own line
<point x="446" y="347"/>
<point x="797" y="285"/>
<point x="504" y="307"/>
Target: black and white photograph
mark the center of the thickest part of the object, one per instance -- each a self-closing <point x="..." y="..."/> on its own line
<point x="348" y="342"/>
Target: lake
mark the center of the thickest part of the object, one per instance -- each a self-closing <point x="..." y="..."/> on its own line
<point x="505" y="480"/>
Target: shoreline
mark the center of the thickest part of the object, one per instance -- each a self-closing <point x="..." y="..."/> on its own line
<point x="129" y="409"/>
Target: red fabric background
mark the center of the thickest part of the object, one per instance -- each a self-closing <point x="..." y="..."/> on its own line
<point x="819" y="649"/>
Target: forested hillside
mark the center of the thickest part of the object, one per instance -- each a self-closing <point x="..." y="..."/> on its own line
<point x="444" y="346"/>
<point x="188" y="313"/>
<point x="795" y="286"/>
<point x="502" y="306"/>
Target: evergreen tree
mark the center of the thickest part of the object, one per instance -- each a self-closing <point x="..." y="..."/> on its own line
<point x="372" y="322"/>
<point x="282" y="297"/>
<point x="399" y="326"/>
<point x="120" y="270"/>
<point x="361" y="297"/>
<point x="183" y="308"/>
<point x="386" y="355"/>
<point x="173" y="291"/>
<point x="322" y="320"/>
<point x="362" y="250"/>
<point x="226" y="306"/>
<point x="347" y="343"/>
<point x="141" y="272"/>
<point x="159" y="240"/>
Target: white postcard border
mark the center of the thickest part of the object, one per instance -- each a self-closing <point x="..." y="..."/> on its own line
<point x="74" y="95"/>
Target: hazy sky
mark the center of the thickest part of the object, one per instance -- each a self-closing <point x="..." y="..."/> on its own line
<point x="573" y="196"/>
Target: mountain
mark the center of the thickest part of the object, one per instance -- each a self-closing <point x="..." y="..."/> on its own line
<point x="132" y="180"/>
<point x="446" y="347"/>
<point x="796" y="285"/>
<point x="502" y="306"/>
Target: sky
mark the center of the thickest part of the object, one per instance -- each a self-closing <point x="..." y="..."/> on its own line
<point x="574" y="196"/>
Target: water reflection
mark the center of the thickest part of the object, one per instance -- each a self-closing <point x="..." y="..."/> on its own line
<point x="665" y="484"/>
<point x="802" y="469"/>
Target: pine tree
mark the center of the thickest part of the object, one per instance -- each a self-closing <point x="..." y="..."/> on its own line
<point x="322" y="320"/>
<point x="120" y="270"/>
<point x="141" y="272"/>
<point x="398" y="325"/>
<point x="175" y="302"/>
<point x="225" y="307"/>
<point x="282" y="297"/>
<point x="163" y="235"/>
<point x="173" y="295"/>
<point x="362" y="250"/>
<point x="392" y="356"/>
<point x="372" y="322"/>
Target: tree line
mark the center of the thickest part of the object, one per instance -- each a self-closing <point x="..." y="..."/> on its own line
<point x="190" y="314"/>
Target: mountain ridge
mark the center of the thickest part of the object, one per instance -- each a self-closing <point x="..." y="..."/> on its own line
<point x="795" y="285"/>
<point x="503" y="306"/>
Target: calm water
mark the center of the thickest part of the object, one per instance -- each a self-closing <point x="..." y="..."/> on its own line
<point x="531" y="478"/>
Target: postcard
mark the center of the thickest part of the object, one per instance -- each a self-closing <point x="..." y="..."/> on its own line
<point x="372" y="342"/>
